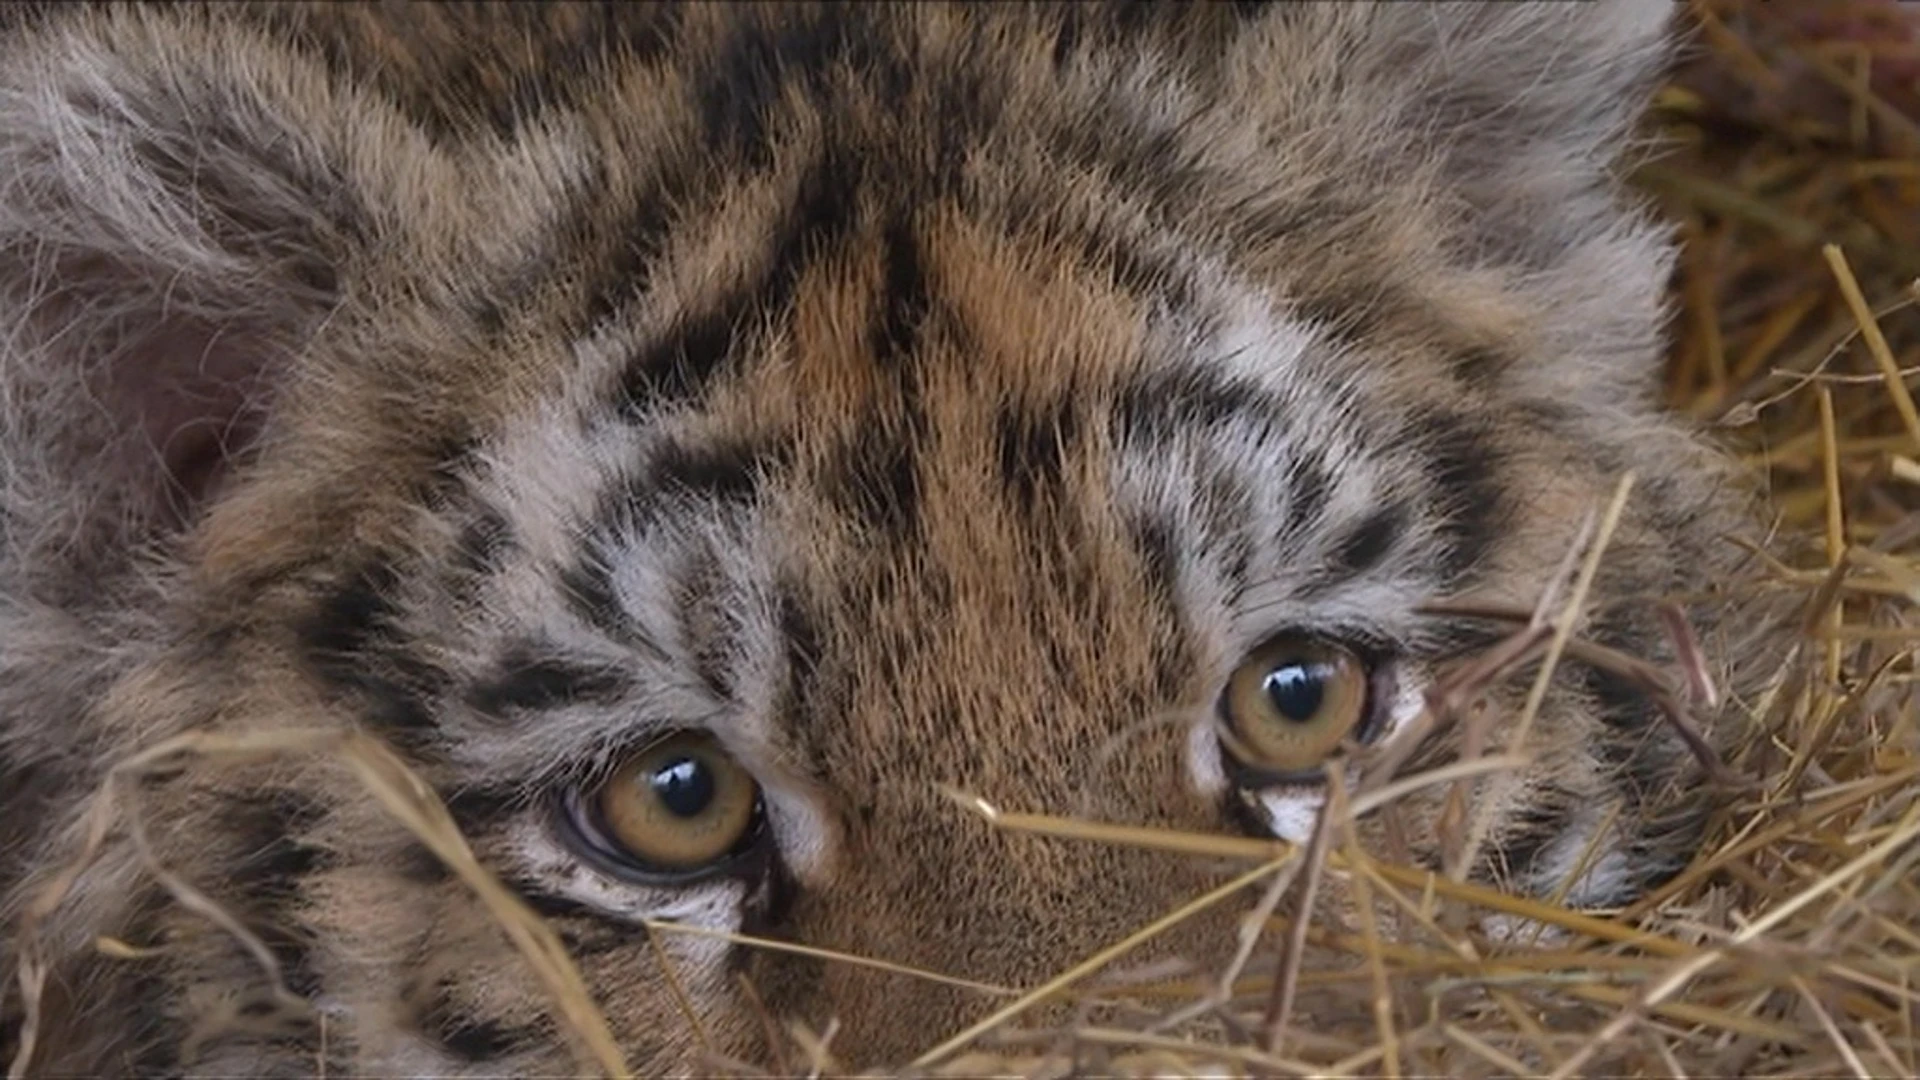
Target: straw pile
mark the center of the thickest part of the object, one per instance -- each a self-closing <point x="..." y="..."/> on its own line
<point x="1792" y="946"/>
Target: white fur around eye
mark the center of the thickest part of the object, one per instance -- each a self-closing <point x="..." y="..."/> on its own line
<point x="1291" y="814"/>
<point x="802" y="830"/>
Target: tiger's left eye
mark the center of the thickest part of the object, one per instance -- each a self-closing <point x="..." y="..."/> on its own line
<point x="678" y="811"/>
<point x="1292" y="703"/>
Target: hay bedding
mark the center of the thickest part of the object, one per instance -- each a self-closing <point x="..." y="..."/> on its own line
<point x="1791" y="947"/>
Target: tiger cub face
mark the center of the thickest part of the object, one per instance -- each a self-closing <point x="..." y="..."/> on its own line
<point x="704" y="439"/>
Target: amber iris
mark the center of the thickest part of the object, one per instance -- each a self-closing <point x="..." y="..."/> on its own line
<point x="1292" y="703"/>
<point x="679" y="804"/>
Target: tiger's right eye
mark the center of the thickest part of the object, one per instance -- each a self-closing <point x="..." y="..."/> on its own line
<point x="1292" y="703"/>
<point x="678" y="810"/>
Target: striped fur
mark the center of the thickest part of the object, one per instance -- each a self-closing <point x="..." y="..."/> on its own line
<point x="910" y="396"/>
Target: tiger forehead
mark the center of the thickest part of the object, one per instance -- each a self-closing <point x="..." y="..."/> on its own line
<point x="732" y="63"/>
<point x="830" y="109"/>
<point x="930" y="320"/>
<point x="938" y="390"/>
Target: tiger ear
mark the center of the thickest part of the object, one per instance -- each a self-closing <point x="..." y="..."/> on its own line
<point x="172" y="230"/>
<point x="1496" y="134"/>
<point x="1480" y="75"/>
<point x="1526" y="107"/>
<point x="1532" y="104"/>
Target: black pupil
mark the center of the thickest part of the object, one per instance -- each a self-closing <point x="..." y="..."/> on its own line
<point x="1297" y="690"/>
<point x="684" y="786"/>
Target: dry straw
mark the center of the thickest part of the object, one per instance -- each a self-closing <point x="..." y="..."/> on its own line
<point x="1791" y="946"/>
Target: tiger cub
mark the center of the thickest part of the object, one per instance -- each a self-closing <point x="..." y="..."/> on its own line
<point x="701" y="439"/>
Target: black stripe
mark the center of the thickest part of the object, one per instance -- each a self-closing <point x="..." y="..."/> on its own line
<point x="1462" y="464"/>
<point x="681" y="366"/>
<point x="1529" y="833"/>
<point x="800" y="630"/>
<point x="749" y="74"/>
<point x="699" y="600"/>
<point x="1663" y="843"/>
<point x="875" y="480"/>
<point x="1068" y="34"/>
<point x="1553" y="417"/>
<point x="1479" y="365"/>
<point x="1085" y="25"/>
<point x="1644" y="755"/>
<point x="587" y="588"/>
<point x="905" y="297"/>
<point x="800" y="637"/>
<point x="640" y="233"/>
<point x="1157" y="546"/>
<point x="1344" y="312"/>
<point x="586" y="930"/>
<point x="607" y="36"/>
<point x="963" y="103"/>
<point x="473" y="81"/>
<point x="1031" y="446"/>
<point x="1366" y="544"/>
<point x="726" y="470"/>
<point x="477" y="1041"/>
<point x="789" y="50"/>
<point x="480" y="810"/>
<point x="453" y="453"/>
<point x="1137" y="265"/>
<point x="1309" y="487"/>
<point x="764" y="912"/>
<point x="530" y="677"/>
<point x="720" y="472"/>
<point x="1329" y="206"/>
<point x="273" y="855"/>
<point x="327" y="198"/>
<point x="586" y="940"/>
<point x="552" y="906"/>
<point x="454" y="1028"/>
<point x="154" y="1038"/>
<point x="1163" y="406"/>
<point x="1149" y="159"/>
<point x="353" y="642"/>
<point x="1624" y="708"/>
<point x="482" y="542"/>
<point x="354" y="615"/>
<point x="418" y="865"/>
<point x="1224" y="506"/>
<point x="271" y="862"/>
<point x="1139" y="271"/>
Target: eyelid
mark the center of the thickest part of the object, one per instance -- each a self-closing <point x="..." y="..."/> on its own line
<point x="600" y="761"/>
